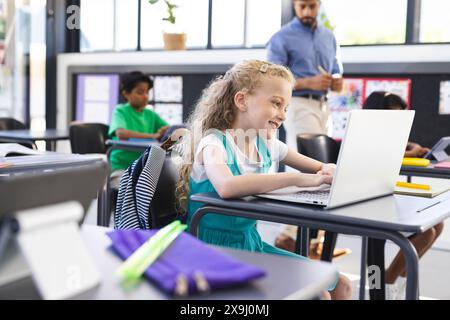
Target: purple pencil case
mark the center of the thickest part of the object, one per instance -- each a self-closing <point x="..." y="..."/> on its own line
<point x="189" y="259"/>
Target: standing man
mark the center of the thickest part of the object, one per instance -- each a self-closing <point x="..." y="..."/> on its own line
<point x="309" y="51"/>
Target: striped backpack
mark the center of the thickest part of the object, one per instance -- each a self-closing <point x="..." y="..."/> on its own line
<point x="137" y="188"/>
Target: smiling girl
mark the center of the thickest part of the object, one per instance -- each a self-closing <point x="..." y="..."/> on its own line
<point x="233" y="151"/>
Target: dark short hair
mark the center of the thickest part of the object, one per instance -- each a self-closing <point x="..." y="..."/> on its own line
<point x="319" y="1"/>
<point x="129" y="81"/>
<point x="383" y="100"/>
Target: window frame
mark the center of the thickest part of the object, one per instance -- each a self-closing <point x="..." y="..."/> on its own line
<point x="412" y="34"/>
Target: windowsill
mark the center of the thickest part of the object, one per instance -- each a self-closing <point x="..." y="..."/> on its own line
<point x="161" y="57"/>
<point x="226" y="56"/>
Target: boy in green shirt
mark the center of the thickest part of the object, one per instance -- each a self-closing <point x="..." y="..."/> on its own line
<point x="133" y="120"/>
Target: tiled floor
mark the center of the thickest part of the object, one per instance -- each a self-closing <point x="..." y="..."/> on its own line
<point x="434" y="275"/>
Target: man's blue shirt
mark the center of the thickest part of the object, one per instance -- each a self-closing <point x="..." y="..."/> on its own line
<point x="302" y="50"/>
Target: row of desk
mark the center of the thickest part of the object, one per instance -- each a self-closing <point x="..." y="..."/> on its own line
<point x="50" y="136"/>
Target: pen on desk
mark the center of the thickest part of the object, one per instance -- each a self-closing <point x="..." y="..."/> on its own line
<point x="427" y="207"/>
<point x="412" y="185"/>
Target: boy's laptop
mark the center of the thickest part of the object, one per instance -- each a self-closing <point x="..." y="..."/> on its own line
<point x="369" y="160"/>
<point x="439" y="150"/>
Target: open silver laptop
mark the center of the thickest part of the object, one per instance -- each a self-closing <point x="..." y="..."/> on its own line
<point x="369" y="160"/>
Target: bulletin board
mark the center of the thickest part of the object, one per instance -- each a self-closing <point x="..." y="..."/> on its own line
<point x="354" y="93"/>
<point x="167" y="98"/>
<point x="444" y="98"/>
<point x="429" y="96"/>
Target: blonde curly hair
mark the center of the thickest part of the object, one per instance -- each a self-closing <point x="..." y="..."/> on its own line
<point x="216" y="110"/>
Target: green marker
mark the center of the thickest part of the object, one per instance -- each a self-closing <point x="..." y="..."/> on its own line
<point x="133" y="268"/>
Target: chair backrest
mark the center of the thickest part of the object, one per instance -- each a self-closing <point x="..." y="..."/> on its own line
<point x="88" y="137"/>
<point x="318" y="146"/>
<point x="11" y="124"/>
<point x="163" y="205"/>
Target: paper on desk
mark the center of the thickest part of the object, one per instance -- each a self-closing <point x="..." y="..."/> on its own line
<point x="15" y="148"/>
<point x="294" y="189"/>
<point x="4" y="165"/>
<point x="436" y="189"/>
<point x="47" y="159"/>
<point x="443" y="165"/>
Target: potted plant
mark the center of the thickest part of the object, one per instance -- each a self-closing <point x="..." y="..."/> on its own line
<point x="172" y="40"/>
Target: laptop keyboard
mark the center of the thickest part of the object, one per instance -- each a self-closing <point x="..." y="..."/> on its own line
<point x="315" y="195"/>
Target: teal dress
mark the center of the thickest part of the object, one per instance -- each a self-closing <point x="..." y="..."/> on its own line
<point x="228" y="231"/>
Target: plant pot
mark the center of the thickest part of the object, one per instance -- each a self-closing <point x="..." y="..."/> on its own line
<point x="174" y="41"/>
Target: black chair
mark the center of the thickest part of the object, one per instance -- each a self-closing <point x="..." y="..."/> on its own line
<point x="163" y="205"/>
<point x="318" y="146"/>
<point x="90" y="138"/>
<point x="325" y="149"/>
<point x="13" y="124"/>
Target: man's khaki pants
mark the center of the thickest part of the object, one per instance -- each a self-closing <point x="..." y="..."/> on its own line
<point x="304" y="115"/>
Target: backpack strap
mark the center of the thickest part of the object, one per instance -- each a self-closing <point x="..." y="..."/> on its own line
<point x="146" y="185"/>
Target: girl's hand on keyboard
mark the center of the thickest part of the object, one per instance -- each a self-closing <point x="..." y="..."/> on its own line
<point x="313" y="180"/>
<point x="327" y="169"/>
<point x="325" y="179"/>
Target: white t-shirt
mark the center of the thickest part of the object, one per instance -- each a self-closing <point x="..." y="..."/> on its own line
<point x="277" y="149"/>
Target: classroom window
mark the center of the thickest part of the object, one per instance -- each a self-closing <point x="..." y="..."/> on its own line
<point x="361" y="22"/>
<point x="228" y="23"/>
<point x="152" y="24"/>
<point x="23" y="60"/>
<point x="97" y="25"/>
<point x="194" y="21"/>
<point x="191" y="18"/>
<point x="126" y="25"/>
<point x="263" y="20"/>
<point x="434" y="21"/>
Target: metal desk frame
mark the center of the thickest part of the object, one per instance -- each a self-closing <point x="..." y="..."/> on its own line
<point x="411" y="257"/>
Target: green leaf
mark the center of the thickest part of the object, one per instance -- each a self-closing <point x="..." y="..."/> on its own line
<point x="170" y="8"/>
<point x="170" y="19"/>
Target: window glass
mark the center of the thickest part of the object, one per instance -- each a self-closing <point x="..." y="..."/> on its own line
<point x="97" y="25"/>
<point x="228" y="23"/>
<point x="434" y="21"/>
<point x="126" y="24"/>
<point x="263" y="20"/>
<point x="360" y="22"/>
